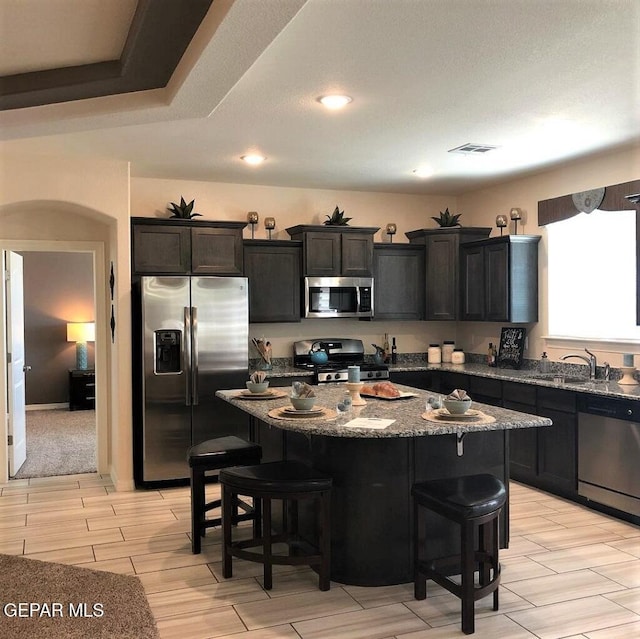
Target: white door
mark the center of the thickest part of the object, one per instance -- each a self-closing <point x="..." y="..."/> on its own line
<point x="15" y="362"/>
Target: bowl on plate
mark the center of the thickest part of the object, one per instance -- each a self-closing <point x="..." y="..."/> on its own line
<point x="457" y="406"/>
<point x="257" y="387"/>
<point x="302" y="403"/>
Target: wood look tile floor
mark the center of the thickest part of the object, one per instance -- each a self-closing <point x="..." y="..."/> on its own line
<point x="570" y="572"/>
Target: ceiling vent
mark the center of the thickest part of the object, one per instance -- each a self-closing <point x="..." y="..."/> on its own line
<point x="473" y="149"/>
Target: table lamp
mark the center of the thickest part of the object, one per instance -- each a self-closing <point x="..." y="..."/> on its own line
<point x="81" y="333"/>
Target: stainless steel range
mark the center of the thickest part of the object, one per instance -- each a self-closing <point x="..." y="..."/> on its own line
<point x="341" y="353"/>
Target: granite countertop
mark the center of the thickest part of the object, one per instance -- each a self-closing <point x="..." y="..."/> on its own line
<point x="406" y="413"/>
<point x="525" y="376"/>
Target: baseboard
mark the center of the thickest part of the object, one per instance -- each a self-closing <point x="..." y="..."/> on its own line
<point x="126" y="485"/>
<point x="47" y="406"/>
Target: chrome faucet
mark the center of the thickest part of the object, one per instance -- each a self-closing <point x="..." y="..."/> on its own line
<point x="607" y="372"/>
<point x="591" y="360"/>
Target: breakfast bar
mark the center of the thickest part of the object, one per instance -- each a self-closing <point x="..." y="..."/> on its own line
<point x="374" y="464"/>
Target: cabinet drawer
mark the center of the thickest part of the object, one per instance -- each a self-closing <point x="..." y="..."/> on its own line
<point x="519" y="393"/>
<point x="557" y="399"/>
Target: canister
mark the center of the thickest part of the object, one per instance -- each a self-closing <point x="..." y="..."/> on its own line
<point x="434" y="354"/>
<point x="457" y="357"/>
<point x="447" y="351"/>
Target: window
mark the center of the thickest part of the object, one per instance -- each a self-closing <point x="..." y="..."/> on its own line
<point x="592" y="276"/>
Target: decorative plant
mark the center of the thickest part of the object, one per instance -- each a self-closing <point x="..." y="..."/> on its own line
<point x="183" y="210"/>
<point x="337" y="218"/>
<point x="447" y="219"/>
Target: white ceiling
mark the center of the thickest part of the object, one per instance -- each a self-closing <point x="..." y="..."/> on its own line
<point x="543" y="80"/>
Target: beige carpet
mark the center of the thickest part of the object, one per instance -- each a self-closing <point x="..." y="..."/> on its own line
<point x="59" y="442"/>
<point x="67" y="602"/>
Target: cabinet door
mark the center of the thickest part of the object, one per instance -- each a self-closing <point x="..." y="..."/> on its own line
<point x="322" y="254"/>
<point x="274" y="281"/>
<point x="557" y="468"/>
<point x="398" y="273"/>
<point x="523" y="447"/>
<point x="497" y="283"/>
<point x="356" y="255"/>
<point x="216" y="251"/>
<point x="442" y="277"/>
<point x="161" y="249"/>
<point x="473" y="283"/>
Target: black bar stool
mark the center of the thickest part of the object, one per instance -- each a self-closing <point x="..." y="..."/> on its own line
<point x="474" y="502"/>
<point x="289" y="481"/>
<point x="215" y="454"/>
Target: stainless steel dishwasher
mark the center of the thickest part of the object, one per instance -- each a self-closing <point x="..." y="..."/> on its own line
<point x="609" y="452"/>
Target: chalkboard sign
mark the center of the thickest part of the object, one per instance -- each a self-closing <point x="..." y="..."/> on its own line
<point x="511" y="347"/>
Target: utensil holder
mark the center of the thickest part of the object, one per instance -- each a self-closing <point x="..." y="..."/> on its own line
<point x="628" y="378"/>
<point x="354" y="391"/>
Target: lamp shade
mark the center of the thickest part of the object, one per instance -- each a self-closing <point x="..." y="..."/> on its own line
<point x="81" y="332"/>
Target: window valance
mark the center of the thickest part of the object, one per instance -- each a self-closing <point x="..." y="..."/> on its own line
<point x="615" y="199"/>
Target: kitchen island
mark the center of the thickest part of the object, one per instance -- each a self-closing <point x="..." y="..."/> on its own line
<point x="373" y="470"/>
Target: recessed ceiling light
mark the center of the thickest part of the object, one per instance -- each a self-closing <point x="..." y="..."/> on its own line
<point x="334" y="101"/>
<point x="423" y="172"/>
<point x="253" y="158"/>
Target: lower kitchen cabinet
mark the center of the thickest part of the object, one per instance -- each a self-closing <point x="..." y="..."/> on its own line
<point x="418" y="379"/>
<point x="399" y="276"/>
<point x="273" y="269"/>
<point x="545" y="457"/>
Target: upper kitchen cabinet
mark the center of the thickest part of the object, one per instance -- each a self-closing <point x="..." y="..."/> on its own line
<point x="179" y="247"/>
<point x="500" y="279"/>
<point x="331" y="251"/>
<point x="442" y="261"/>
<point x="273" y="269"/>
<point x="398" y="273"/>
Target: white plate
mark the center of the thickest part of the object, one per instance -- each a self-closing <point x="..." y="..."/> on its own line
<point x="443" y="413"/>
<point x="401" y="396"/>
<point x="316" y="410"/>
<point x="269" y="394"/>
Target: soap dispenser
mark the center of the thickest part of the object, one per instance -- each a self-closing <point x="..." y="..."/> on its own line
<point x="545" y="365"/>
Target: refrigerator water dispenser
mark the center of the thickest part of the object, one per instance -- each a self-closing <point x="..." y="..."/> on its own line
<point x="168" y="348"/>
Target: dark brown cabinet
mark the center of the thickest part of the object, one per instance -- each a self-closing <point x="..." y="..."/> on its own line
<point x="179" y="247"/>
<point x="442" y="265"/>
<point x="82" y="389"/>
<point x="499" y="281"/>
<point x="399" y="272"/>
<point x="273" y="269"/>
<point x="330" y="251"/>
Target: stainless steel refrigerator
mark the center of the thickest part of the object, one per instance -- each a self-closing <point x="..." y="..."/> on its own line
<point x="193" y="341"/>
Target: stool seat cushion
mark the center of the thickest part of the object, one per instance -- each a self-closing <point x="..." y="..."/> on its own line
<point x="275" y="477"/>
<point x="223" y="451"/>
<point x="462" y="497"/>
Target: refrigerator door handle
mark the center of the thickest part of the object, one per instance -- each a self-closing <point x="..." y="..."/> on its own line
<point x="186" y="355"/>
<point x="194" y="347"/>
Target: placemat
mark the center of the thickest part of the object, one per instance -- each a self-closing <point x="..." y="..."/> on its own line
<point x="481" y="418"/>
<point x="327" y="413"/>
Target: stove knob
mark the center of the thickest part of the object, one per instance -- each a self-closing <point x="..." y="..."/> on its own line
<point x="379" y="374"/>
<point x="328" y="377"/>
<point x="338" y="376"/>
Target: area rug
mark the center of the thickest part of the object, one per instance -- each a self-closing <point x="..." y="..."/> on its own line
<point x="43" y="600"/>
<point x="59" y="442"/>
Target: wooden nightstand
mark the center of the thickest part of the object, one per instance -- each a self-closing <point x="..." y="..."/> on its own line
<point x="82" y="389"/>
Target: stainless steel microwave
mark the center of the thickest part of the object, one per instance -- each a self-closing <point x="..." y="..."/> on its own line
<point x="338" y="297"/>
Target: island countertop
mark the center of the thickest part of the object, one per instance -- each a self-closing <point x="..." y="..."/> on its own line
<point x="407" y="413"/>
